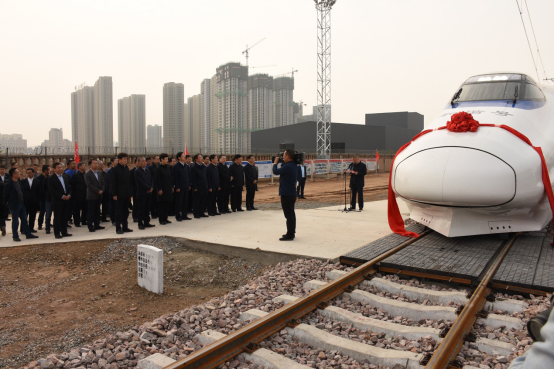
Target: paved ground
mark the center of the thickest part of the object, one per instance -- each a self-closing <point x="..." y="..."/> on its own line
<point x="321" y="232"/>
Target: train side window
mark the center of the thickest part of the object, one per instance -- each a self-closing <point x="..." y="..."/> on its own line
<point x="532" y="92"/>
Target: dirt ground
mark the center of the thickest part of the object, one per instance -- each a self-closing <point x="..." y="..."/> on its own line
<point x="58" y="297"/>
<point x="328" y="190"/>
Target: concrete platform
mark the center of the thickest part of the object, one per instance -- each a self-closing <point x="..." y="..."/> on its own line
<point x="324" y="233"/>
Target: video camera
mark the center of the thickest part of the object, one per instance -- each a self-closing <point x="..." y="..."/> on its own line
<point x="298" y="157"/>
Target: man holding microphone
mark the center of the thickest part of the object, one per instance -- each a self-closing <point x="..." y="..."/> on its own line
<point x="287" y="190"/>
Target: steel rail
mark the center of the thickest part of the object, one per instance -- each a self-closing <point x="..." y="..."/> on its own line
<point x="247" y="337"/>
<point x="456" y="336"/>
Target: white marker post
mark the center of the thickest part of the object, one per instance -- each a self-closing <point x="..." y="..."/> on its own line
<point x="150" y="268"/>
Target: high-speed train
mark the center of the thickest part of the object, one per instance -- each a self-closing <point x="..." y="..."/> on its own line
<point x="488" y="181"/>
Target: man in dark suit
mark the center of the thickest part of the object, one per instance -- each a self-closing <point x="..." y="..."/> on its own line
<point x="145" y="186"/>
<point x="94" y="181"/>
<point x="212" y="180"/>
<point x="199" y="186"/>
<point x="224" y="184"/>
<point x="42" y="202"/>
<point x="181" y="182"/>
<point x="357" y="176"/>
<point x="13" y="197"/>
<point x="188" y="161"/>
<point x="31" y="197"/>
<point x="105" y="198"/>
<point x="301" y="181"/>
<point x="121" y="192"/>
<point x="134" y="192"/>
<point x="111" y="166"/>
<point x="154" y="195"/>
<point x="237" y="183"/>
<point x="60" y="193"/>
<point x="251" y="177"/>
<point x="164" y="184"/>
<point x="79" y="196"/>
<point x="288" y="174"/>
<point x="3" y="208"/>
<point x="47" y="202"/>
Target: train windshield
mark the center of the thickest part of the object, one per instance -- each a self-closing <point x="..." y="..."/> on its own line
<point x="499" y="87"/>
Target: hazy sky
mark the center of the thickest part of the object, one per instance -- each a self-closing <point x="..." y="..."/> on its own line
<point x="386" y="55"/>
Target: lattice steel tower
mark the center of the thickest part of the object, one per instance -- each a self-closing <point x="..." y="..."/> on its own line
<point x="323" y="8"/>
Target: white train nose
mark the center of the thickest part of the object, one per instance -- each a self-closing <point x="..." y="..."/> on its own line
<point x="455" y="176"/>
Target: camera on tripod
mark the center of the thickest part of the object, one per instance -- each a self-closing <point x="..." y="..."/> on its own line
<point x="298" y="157"/>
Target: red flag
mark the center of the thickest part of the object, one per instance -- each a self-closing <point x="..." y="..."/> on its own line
<point x="377" y="155"/>
<point x="186" y="150"/>
<point x="76" y="153"/>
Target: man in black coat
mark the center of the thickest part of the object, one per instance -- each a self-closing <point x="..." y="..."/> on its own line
<point x="31" y="197"/>
<point x="224" y="184"/>
<point x="188" y="161"/>
<point x="164" y="184"/>
<point x="42" y="203"/>
<point x="154" y="194"/>
<point x="111" y="166"/>
<point x="251" y="177"/>
<point x="79" y="188"/>
<point x="357" y="176"/>
<point x="60" y="193"/>
<point x="181" y="182"/>
<point x="95" y="191"/>
<point x="134" y="188"/>
<point x="145" y="187"/>
<point x="212" y="180"/>
<point x="199" y="186"/>
<point x="105" y="199"/>
<point x="301" y="181"/>
<point x="237" y="183"/>
<point x="13" y="197"/>
<point x="120" y="179"/>
<point x="3" y="208"/>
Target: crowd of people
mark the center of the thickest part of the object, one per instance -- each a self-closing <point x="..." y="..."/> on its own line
<point x="72" y="195"/>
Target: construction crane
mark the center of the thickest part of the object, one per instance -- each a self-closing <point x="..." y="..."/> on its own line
<point x="288" y="73"/>
<point x="245" y="52"/>
<point x="273" y="65"/>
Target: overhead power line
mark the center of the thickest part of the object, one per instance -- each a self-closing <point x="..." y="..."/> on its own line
<point x="528" y="43"/>
<point x="536" y="42"/>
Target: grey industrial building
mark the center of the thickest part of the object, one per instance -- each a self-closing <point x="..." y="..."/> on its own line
<point x="382" y="131"/>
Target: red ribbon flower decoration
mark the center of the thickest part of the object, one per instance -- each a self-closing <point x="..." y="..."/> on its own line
<point x="462" y="122"/>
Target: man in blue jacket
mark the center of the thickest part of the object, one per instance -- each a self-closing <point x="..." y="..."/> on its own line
<point x="287" y="190"/>
<point x="13" y="197"/>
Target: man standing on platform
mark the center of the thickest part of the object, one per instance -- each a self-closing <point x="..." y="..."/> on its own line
<point x="145" y="186"/>
<point x="357" y="182"/>
<point x="79" y="189"/>
<point x="181" y="181"/>
<point x="120" y="179"/>
<point x="60" y="193"/>
<point x="301" y="181"/>
<point x="154" y="196"/>
<point x="188" y="161"/>
<point x="212" y="179"/>
<point x="164" y="184"/>
<point x="3" y="209"/>
<point x="224" y="184"/>
<point x="13" y="197"/>
<point x="31" y="197"/>
<point x="199" y="186"/>
<point x="42" y="203"/>
<point x="237" y="183"/>
<point x="288" y="174"/>
<point x="113" y="163"/>
<point x="251" y="177"/>
<point x="94" y="180"/>
<point x="134" y="188"/>
<point x="105" y="198"/>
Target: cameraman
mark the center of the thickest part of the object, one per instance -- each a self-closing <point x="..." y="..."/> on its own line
<point x="287" y="190"/>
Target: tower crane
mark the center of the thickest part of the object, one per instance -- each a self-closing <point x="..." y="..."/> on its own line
<point x="289" y="73"/>
<point x="245" y="52"/>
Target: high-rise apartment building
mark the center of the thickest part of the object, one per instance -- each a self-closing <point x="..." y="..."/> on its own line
<point x="131" y="113"/>
<point x="231" y="135"/>
<point x="92" y="116"/>
<point x="154" y="138"/>
<point x="283" y="104"/>
<point x="260" y="94"/>
<point x="173" y="117"/>
<point x="55" y="138"/>
<point x="82" y="117"/>
<point x="13" y="142"/>
<point x="103" y="115"/>
<point x="195" y="122"/>
<point x="205" y="115"/>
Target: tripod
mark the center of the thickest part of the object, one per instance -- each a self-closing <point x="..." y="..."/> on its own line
<point x="344" y="175"/>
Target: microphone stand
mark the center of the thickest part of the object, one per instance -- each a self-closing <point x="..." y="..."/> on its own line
<point x="345" y="176"/>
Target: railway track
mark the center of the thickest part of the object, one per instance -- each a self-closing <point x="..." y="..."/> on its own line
<point x="352" y="317"/>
